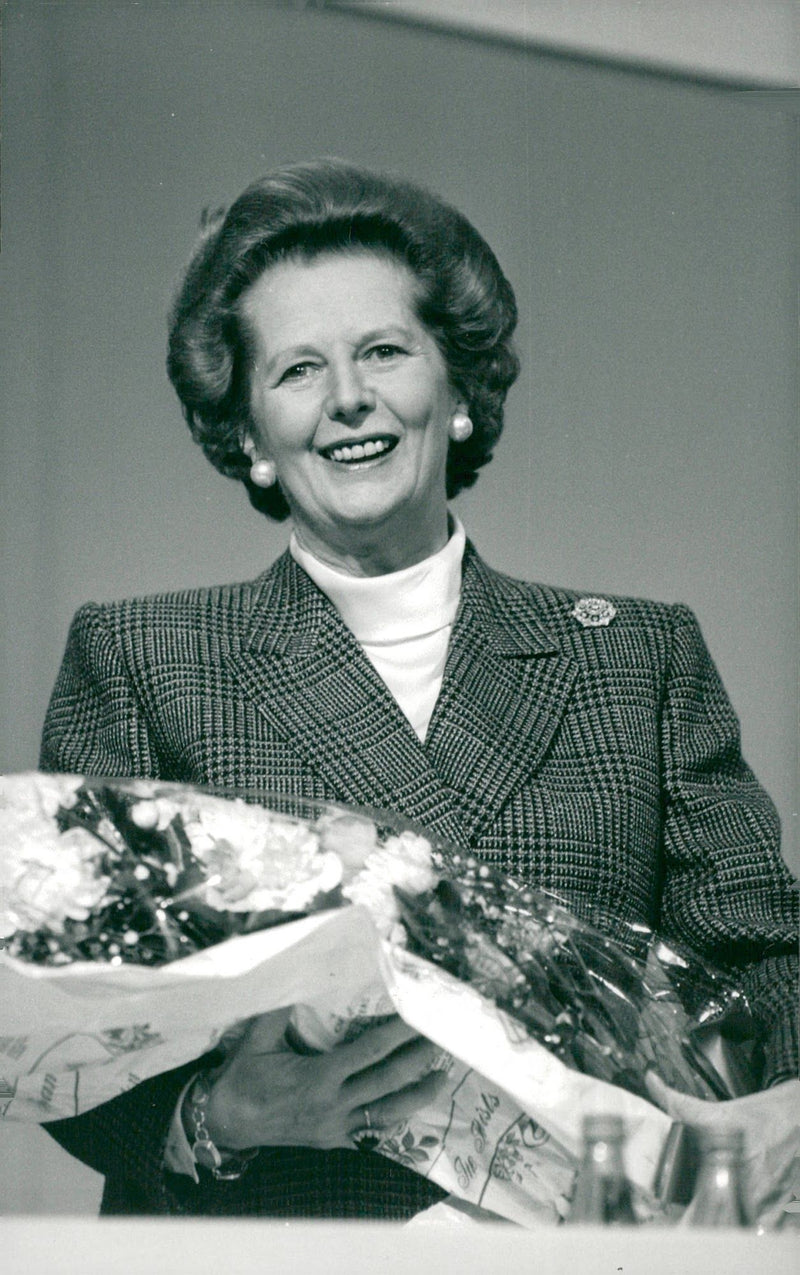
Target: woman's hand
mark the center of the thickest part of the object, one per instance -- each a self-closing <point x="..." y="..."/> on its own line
<point x="770" y="1121"/>
<point x="267" y="1095"/>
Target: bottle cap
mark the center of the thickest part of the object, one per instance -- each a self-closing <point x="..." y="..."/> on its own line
<point x="711" y="1139"/>
<point x="602" y="1125"/>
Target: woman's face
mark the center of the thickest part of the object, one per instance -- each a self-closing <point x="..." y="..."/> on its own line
<point x="351" y="400"/>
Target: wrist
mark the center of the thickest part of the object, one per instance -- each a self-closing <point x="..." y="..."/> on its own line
<point x="224" y="1162"/>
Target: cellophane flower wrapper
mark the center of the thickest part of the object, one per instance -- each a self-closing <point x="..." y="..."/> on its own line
<point x="145" y="923"/>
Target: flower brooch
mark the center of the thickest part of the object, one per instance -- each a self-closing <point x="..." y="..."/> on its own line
<point x="593" y="613"/>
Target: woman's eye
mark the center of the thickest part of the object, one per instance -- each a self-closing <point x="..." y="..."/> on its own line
<point x="297" y="372"/>
<point x="384" y="351"/>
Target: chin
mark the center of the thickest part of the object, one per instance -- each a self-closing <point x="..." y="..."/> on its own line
<point x="363" y="519"/>
<point x="363" y="510"/>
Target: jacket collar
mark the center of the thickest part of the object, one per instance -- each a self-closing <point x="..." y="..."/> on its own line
<point x="289" y="612"/>
<point x="504" y="691"/>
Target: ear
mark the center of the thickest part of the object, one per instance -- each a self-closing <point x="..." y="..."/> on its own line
<point x="249" y="448"/>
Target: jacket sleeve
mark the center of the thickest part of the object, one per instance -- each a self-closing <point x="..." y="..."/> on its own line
<point x="95" y="726"/>
<point x="125" y="1140"/>
<point x="94" y="723"/>
<point x="727" y="893"/>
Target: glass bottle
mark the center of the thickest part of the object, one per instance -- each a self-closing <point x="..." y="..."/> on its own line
<point x="602" y="1195"/>
<point x="718" y="1199"/>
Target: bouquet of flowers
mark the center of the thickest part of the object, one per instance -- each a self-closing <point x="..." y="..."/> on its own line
<point x="128" y="906"/>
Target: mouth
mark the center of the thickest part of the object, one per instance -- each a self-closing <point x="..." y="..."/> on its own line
<point x="364" y="449"/>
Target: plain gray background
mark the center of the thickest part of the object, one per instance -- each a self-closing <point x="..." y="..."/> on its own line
<point x="647" y="226"/>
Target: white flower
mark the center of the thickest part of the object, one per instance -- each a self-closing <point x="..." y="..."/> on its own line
<point x="257" y="861"/>
<point x="33" y="798"/>
<point x="404" y="861"/>
<point x="352" y="837"/>
<point x="47" y="876"/>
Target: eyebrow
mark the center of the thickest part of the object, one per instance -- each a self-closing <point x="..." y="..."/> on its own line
<point x="379" y="334"/>
<point x="293" y="354"/>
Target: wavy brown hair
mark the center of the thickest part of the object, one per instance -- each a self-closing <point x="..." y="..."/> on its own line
<point x="303" y="211"/>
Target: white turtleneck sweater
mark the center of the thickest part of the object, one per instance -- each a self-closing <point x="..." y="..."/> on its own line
<point x="402" y="620"/>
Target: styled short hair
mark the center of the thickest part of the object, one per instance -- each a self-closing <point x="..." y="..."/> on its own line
<point x="325" y="206"/>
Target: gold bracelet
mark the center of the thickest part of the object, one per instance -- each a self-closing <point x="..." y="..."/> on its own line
<point x="222" y="1164"/>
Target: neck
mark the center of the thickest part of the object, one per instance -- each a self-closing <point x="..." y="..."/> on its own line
<point x="370" y="551"/>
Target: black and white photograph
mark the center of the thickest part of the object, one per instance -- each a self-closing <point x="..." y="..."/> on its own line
<point x="399" y="777"/>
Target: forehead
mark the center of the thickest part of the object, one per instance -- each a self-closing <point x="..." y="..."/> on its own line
<point x="335" y="294"/>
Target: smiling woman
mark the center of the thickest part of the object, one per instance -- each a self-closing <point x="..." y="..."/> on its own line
<point x="341" y="344"/>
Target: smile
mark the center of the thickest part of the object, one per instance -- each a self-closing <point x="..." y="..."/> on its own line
<point x="364" y="449"/>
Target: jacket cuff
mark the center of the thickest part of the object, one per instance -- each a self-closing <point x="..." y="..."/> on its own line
<point x="178" y="1155"/>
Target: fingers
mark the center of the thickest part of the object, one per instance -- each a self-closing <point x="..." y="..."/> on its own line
<point x="265" y="1033"/>
<point x="764" y="1116"/>
<point x="265" y="1094"/>
<point x="385" y="1113"/>
<point x="404" y="1067"/>
<point x="659" y="1092"/>
<point x="371" y="1048"/>
<point x="680" y="1106"/>
<point x="396" y="1087"/>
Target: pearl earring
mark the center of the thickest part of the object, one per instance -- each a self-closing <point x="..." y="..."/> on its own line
<point x="460" y="427"/>
<point x="263" y="473"/>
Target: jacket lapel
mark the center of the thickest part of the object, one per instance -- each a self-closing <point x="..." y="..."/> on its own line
<point x="309" y="677"/>
<point x="505" y="689"/>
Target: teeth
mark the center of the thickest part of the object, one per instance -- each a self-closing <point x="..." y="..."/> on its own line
<point x="360" y="451"/>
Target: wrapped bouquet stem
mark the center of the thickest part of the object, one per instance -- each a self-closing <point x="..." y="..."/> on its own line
<point x="145" y="923"/>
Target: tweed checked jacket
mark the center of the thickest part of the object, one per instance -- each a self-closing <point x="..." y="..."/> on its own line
<point x="602" y="763"/>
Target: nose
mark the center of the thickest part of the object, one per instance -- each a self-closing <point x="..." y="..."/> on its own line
<point x="349" y="397"/>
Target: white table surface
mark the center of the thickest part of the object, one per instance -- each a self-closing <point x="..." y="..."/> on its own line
<point x="81" y="1246"/>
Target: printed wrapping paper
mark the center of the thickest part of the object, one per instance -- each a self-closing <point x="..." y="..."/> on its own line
<point x="503" y="1135"/>
<point x="79" y="1035"/>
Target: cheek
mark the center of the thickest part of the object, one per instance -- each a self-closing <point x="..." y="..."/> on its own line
<point x="278" y="430"/>
<point x="429" y="405"/>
